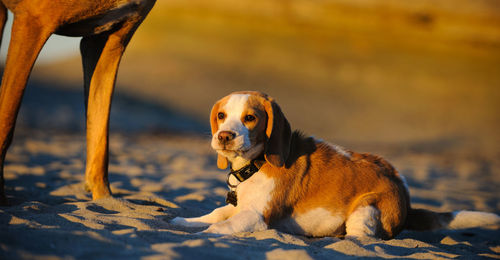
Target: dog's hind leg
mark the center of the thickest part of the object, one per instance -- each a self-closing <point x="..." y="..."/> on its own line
<point x="28" y="38"/>
<point x="101" y="55"/>
<point x="363" y="222"/>
<point x="96" y="175"/>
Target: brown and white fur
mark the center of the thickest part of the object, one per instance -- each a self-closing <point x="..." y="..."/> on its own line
<point x="307" y="186"/>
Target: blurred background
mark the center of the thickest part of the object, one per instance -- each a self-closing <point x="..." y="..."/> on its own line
<point x="414" y="74"/>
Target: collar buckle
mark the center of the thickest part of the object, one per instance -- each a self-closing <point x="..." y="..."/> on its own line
<point x="246" y="172"/>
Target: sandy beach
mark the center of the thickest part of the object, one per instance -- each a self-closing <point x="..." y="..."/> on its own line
<point x="157" y="177"/>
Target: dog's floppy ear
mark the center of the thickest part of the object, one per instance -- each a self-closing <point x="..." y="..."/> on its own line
<point x="278" y="134"/>
<point x="222" y="162"/>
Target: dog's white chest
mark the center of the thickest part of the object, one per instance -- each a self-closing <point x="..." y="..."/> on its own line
<point x="255" y="193"/>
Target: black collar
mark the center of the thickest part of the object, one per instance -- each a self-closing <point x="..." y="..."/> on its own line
<point x="241" y="175"/>
<point x="246" y="172"/>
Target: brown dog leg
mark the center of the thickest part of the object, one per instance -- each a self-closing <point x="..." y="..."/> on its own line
<point x="28" y="38"/>
<point x="96" y="179"/>
<point x="101" y="56"/>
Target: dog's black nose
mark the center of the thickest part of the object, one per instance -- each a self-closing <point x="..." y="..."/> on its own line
<point x="226" y="136"/>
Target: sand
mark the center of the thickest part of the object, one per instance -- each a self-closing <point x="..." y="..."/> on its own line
<point x="157" y="177"/>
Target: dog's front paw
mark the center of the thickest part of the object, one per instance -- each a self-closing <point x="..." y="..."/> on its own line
<point x="187" y="222"/>
<point x="219" y="230"/>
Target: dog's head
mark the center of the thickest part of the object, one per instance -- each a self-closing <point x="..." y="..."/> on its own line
<point x="247" y="124"/>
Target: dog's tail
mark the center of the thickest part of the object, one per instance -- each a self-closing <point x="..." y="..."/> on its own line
<point x="421" y="219"/>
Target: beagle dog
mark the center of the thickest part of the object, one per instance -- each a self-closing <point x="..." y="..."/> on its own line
<point x="300" y="185"/>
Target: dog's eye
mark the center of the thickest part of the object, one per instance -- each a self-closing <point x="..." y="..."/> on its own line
<point x="249" y="118"/>
<point x="221" y="115"/>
